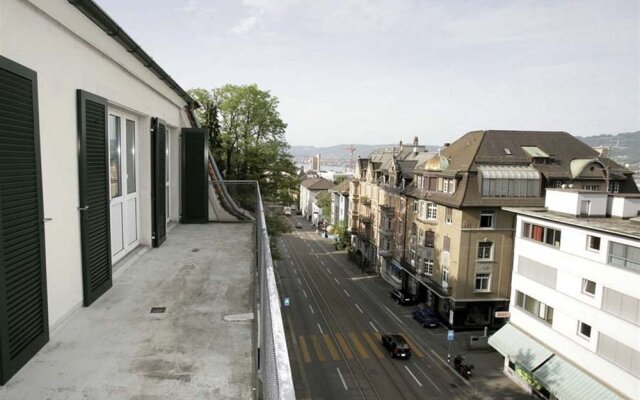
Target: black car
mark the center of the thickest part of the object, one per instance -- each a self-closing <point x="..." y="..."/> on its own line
<point x="426" y="318"/>
<point x="397" y="345"/>
<point x="402" y="297"/>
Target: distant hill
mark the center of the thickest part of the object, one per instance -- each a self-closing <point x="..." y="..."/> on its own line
<point x="339" y="151"/>
<point x="624" y="148"/>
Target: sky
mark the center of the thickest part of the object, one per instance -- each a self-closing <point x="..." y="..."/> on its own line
<point x="381" y="71"/>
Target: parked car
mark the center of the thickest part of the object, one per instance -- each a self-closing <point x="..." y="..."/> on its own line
<point x="426" y="318"/>
<point x="397" y="345"/>
<point x="403" y="297"/>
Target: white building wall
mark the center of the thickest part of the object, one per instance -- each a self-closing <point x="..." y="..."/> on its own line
<point x="69" y="52"/>
<point x="573" y="262"/>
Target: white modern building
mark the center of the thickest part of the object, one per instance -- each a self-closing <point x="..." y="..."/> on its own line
<point x="574" y="328"/>
<point x="309" y="189"/>
<point x="340" y="202"/>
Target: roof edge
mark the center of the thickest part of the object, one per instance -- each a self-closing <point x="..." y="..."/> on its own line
<point x="96" y="14"/>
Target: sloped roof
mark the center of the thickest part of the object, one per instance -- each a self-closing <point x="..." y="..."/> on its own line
<point x="317" y="184"/>
<point x="342" y="187"/>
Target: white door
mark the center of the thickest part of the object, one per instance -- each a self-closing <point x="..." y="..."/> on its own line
<point x="123" y="188"/>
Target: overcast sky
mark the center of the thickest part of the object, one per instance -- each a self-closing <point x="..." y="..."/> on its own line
<point x="360" y="71"/>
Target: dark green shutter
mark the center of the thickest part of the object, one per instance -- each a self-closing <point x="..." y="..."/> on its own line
<point x="95" y="224"/>
<point x="158" y="171"/>
<point x="24" y="326"/>
<point x="195" y="197"/>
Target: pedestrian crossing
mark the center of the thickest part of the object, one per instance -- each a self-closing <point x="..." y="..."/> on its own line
<point x="364" y="345"/>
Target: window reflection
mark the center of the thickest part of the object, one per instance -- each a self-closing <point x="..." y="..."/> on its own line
<point x="114" y="156"/>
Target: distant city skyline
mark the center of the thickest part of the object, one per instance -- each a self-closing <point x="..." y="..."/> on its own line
<point x="360" y="71"/>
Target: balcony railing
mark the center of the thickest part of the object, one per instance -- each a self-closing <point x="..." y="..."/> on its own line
<point x="386" y="209"/>
<point x="385" y="253"/>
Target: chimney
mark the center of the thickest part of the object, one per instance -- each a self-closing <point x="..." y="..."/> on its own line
<point x="401" y="145"/>
<point x="415" y="144"/>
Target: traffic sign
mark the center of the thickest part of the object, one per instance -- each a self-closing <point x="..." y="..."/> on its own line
<point x="503" y="314"/>
<point x="450" y="334"/>
<point x="286" y="302"/>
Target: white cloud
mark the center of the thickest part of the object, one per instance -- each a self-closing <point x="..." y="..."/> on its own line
<point x="245" y="25"/>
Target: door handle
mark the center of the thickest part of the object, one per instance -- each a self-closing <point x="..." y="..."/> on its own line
<point x="85" y="208"/>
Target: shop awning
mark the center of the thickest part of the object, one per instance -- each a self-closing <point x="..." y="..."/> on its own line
<point x="567" y="382"/>
<point x="511" y="342"/>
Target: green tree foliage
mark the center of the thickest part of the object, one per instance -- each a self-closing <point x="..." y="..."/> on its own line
<point x="323" y="200"/>
<point x="246" y="136"/>
<point x="276" y="226"/>
<point x="342" y="234"/>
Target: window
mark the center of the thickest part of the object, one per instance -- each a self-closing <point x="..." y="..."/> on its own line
<point x="593" y="242"/>
<point x="541" y="234"/>
<point x="446" y="243"/>
<point x="448" y="215"/>
<point x="415" y="206"/>
<point x="509" y="181"/>
<point x="428" y="266"/>
<point x="445" y="275"/>
<point x="590" y="187"/>
<point x="614" y="186"/>
<point x="115" y="172"/>
<point x="413" y="258"/>
<point x="585" y="208"/>
<point x="448" y="185"/>
<point x="534" y="307"/>
<point x="131" y="156"/>
<point x="584" y="330"/>
<point x="486" y="218"/>
<point x="429" y="239"/>
<point x="622" y="255"/>
<point x="482" y="281"/>
<point x="432" y="210"/>
<point x="588" y="287"/>
<point x="485" y="251"/>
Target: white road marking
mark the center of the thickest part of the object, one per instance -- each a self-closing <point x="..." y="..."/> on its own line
<point x="342" y="379"/>
<point x="295" y="271"/>
<point x="299" y="282"/>
<point x="413" y="376"/>
<point x="328" y="270"/>
<point x="359" y="278"/>
<point x="322" y="262"/>
<point x="374" y="327"/>
<point x="319" y="327"/>
<point x="392" y="314"/>
<point x="359" y="309"/>
<point x="304" y="293"/>
<point x="337" y="281"/>
<point x="427" y="376"/>
<point x="345" y="292"/>
<point x="312" y="312"/>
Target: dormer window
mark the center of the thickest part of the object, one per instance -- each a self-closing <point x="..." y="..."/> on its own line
<point x="507" y="151"/>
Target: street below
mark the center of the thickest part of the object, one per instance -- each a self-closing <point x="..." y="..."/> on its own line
<point x="334" y="316"/>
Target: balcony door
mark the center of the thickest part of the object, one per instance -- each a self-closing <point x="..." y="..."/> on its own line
<point x="123" y="183"/>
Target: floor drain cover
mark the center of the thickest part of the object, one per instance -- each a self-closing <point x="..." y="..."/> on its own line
<point x="158" y="310"/>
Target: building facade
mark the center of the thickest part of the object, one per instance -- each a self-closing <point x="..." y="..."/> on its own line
<point x="575" y="297"/>
<point x="309" y="190"/>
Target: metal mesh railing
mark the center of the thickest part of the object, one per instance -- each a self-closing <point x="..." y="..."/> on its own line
<point x="274" y="379"/>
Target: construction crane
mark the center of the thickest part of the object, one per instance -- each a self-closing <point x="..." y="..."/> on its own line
<point x="350" y="150"/>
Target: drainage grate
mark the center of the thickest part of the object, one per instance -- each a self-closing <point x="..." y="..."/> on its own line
<point x="158" y="310"/>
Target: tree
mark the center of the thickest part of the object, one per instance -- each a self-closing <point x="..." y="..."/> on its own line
<point x="323" y="200"/>
<point x="246" y="136"/>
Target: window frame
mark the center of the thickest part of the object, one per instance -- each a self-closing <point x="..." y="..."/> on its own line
<point x="531" y="230"/>
<point x="590" y="246"/>
<point x="487" y="213"/>
<point x="428" y="264"/>
<point x="431" y="211"/>
<point x="581" y="333"/>
<point x="482" y="244"/>
<point x="484" y="280"/>
<point x="585" y="286"/>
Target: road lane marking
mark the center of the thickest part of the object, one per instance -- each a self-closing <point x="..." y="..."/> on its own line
<point x="337" y="281"/>
<point x="392" y="314"/>
<point x="359" y="278"/>
<point x="305" y="352"/>
<point x="295" y="271"/>
<point x="316" y="346"/>
<point x="359" y="309"/>
<point x="329" y="271"/>
<point x="342" y="379"/>
<point x="373" y="345"/>
<point x="344" y="346"/>
<point x="304" y="293"/>
<point x="299" y="282"/>
<point x="361" y="350"/>
<point x="332" y="348"/>
<point x="311" y="307"/>
<point x="345" y="292"/>
<point x="427" y="376"/>
<point x="413" y="376"/>
<point x="319" y="327"/>
<point x="374" y="327"/>
<point x="413" y="346"/>
<point x="322" y="262"/>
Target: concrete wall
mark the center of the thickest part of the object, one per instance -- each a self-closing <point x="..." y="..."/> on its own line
<point x="69" y="52"/>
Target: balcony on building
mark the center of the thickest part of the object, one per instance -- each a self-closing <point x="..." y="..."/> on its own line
<point x="385" y="253"/>
<point x="386" y="209"/>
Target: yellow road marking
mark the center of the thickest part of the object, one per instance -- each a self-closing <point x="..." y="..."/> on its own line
<point x="305" y="352"/>
<point x="316" y="345"/>
<point x="344" y="346"/>
<point x="363" y="353"/>
<point x="414" y="348"/>
<point x="372" y="344"/>
<point x="331" y="347"/>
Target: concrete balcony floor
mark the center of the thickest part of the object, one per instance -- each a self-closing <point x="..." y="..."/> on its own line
<point x="117" y="349"/>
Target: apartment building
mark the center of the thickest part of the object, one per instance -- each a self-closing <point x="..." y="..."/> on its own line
<point x="340" y="202"/>
<point x="575" y="297"/>
<point x="309" y="190"/>
<point x="457" y="247"/>
<point x="377" y="210"/>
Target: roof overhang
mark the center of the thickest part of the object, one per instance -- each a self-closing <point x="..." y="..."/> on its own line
<point x="511" y="342"/>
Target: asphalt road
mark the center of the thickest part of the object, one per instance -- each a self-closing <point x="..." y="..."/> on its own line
<point x="333" y="323"/>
